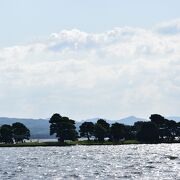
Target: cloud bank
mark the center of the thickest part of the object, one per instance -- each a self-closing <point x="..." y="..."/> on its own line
<point x="124" y="71"/>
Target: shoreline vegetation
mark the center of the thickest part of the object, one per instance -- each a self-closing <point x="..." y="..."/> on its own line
<point x="157" y="130"/>
<point x="69" y="143"/>
<point x="80" y="143"/>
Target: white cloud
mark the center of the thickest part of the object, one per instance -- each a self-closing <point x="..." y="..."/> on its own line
<point x="169" y="28"/>
<point x="112" y="74"/>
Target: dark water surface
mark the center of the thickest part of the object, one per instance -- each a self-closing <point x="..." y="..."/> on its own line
<point x="160" y="161"/>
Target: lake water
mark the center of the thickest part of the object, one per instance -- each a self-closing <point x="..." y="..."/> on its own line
<point x="160" y="161"/>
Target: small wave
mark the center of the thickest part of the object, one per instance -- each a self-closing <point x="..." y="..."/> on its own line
<point x="171" y="157"/>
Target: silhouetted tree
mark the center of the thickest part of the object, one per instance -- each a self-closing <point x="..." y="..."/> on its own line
<point x="20" y="132"/>
<point x="6" y="134"/>
<point x="168" y="129"/>
<point x="129" y="132"/>
<point x="148" y="132"/>
<point x="117" y="131"/>
<point x="63" y="127"/>
<point x="178" y="130"/>
<point x="86" y="129"/>
<point x="101" y="130"/>
<point x="137" y="126"/>
<point x="159" y="120"/>
<point x="172" y="128"/>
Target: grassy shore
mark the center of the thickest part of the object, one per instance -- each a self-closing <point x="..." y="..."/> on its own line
<point x="70" y="143"/>
<point x="33" y="144"/>
<point x="81" y="143"/>
<point x="106" y="142"/>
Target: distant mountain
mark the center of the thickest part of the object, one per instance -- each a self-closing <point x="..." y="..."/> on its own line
<point x="130" y="120"/>
<point x="40" y="127"/>
<point x="127" y="121"/>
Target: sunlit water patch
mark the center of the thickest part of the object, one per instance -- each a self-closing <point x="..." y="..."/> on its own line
<point x="160" y="161"/>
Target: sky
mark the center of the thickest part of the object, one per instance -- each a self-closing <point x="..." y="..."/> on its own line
<point x="85" y="59"/>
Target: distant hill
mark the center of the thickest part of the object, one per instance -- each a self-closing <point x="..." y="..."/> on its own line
<point x="128" y="120"/>
<point x="40" y="127"/>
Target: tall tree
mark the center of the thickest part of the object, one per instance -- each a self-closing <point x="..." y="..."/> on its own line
<point x="6" y="134"/>
<point x="117" y="131"/>
<point x="137" y="126"/>
<point x="101" y="129"/>
<point x="159" y="120"/>
<point x="86" y="129"/>
<point x="178" y="130"/>
<point x="63" y="127"/>
<point x="129" y="132"/>
<point x="168" y="129"/>
<point x="20" y="132"/>
<point x="148" y="132"/>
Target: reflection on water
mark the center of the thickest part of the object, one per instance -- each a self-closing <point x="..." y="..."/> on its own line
<point x="160" y="161"/>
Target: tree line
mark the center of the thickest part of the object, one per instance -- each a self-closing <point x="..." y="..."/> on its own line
<point x="16" y="133"/>
<point x="158" y="129"/>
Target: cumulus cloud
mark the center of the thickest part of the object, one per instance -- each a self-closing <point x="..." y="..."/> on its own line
<point x="112" y="74"/>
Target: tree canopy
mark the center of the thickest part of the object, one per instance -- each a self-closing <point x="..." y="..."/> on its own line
<point x="63" y="127"/>
<point x="86" y="129"/>
<point x="20" y="132"/>
<point x="101" y="130"/>
<point x="6" y="135"/>
<point x="168" y="129"/>
<point x="117" y="131"/>
<point x="17" y="132"/>
<point x="148" y="132"/>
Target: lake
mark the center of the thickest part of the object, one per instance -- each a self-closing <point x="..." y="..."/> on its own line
<point x="158" y="161"/>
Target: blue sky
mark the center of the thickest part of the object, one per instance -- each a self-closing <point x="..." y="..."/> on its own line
<point x="24" y="21"/>
<point x="87" y="59"/>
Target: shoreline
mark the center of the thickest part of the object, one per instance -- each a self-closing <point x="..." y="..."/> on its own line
<point x="80" y="143"/>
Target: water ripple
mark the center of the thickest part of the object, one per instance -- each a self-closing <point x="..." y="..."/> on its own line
<point x="91" y="162"/>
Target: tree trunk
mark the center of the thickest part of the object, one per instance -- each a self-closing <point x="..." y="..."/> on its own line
<point x="60" y="140"/>
<point x="88" y="137"/>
